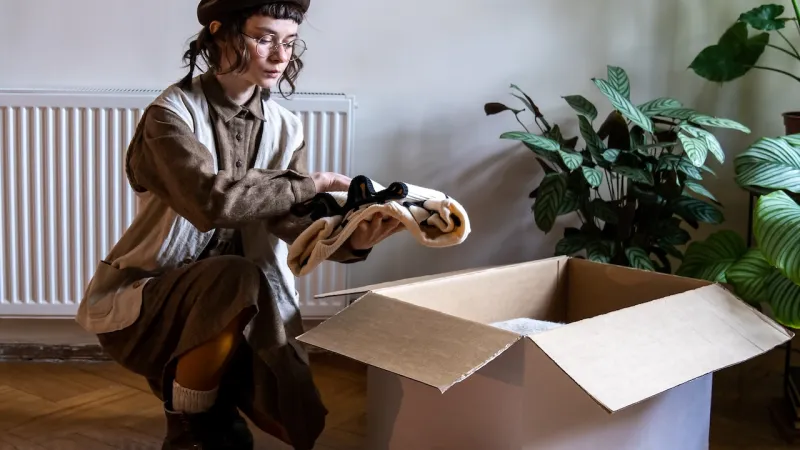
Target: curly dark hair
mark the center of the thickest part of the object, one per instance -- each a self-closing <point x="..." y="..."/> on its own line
<point x="231" y="30"/>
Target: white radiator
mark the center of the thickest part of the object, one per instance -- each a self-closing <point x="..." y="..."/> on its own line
<point x="64" y="198"/>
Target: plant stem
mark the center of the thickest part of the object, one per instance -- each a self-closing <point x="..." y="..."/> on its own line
<point x="793" y="55"/>
<point x="523" y="125"/>
<point x="777" y="70"/>
<point x="796" y="11"/>
<point x="796" y="53"/>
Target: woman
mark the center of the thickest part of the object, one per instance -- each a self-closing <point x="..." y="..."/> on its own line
<point x="196" y="296"/>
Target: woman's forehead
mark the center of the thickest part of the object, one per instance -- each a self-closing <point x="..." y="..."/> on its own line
<point x="261" y="25"/>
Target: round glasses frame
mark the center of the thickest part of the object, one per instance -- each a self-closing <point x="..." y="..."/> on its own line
<point x="267" y="43"/>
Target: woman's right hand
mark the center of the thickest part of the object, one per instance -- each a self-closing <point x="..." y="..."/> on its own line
<point x="330" y="182"/>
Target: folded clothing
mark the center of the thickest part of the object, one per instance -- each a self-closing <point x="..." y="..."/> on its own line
<point x="433" y="218"/>
<point x="526" y="327"/>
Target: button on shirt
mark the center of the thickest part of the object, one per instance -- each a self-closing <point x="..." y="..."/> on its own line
<point x="238" y="131"/>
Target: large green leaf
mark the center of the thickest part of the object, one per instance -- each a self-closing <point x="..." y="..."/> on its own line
<point x="710" y="259"/>
<point x="679" y="113"/>
<point x="678" y="163"/>
<point x="748" y="274"/>
<point x="598" y="251"/>
<point x="670" y="232"/>
<point x="532" y="139"/>
<point x="639" y="259"/>
<point x="770" y="163"/>
<point x="776" y="227"/>
<point x="692" y="209"/>
<point x="618" y="79"/>
<point x="623" y="105"/>
<point x="698" y="188"/>
<point x="569" y="203"/>
<point x="548" y="200"/>
<point x="793" y="139"/>
<point x="593" y="176"/>
<point x="571" y="159"/>
<point x="602" y="210"/>
<point x="695" y="148"/>
<point x="718" y="122"/>
<point x="582" y="106"/>
<point x="732" y="57"/>
<point x="784" y="299"/>
<point x="594" y="144"/>
<point x="653" y="107"/>
<point x="765" y="17"/>
<point x="611" y="155"/>
<point x="635" y="174"/>
<point x="711" y="142"/>
<point x="570" y="245"/>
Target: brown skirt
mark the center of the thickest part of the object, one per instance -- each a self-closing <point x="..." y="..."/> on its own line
<point x="188" y="306"/>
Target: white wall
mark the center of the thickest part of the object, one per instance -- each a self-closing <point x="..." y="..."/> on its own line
<point x="421" y="71"/>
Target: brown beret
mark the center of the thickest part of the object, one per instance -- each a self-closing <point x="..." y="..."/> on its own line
<point x="211" y="10"/>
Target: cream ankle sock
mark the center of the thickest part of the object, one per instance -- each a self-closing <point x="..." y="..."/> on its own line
<point x="190" y="401"/>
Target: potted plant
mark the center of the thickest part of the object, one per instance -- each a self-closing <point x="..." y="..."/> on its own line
<point x="769" y="273"/>
<point x="636" y="180"/>
<point x="737" y="51"/>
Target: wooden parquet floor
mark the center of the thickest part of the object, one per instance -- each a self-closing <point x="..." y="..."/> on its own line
<point x="100" y="406"/>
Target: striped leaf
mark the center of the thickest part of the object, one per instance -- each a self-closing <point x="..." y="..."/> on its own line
<point x="639" y="259"/>
<point x="677" y="113"/>
<point x="548" y="200"/>
<point x="710" y="259"/>
<point x="635" y="174"/>
<point x="569" y="203"/>
<point x="784" y="299"/>
<point x="718" y="122"/>
<point x="600" y="209"/>
<point x="675" y="162"/>
<point x="698" y="188"/>
<point x="599" y="252"/>
<point x="570" y="245"/>
<point x="747" y="276"/>
<point x="652" y="107"/>
<point x="692" y="209"/>
<point x="618" y="79"/>
<point x="532" y="139"/>
<point x="571" y="160"/>
<point x="776" y="227"/>
<point x="611" y="155"/>
<point x="594" y="144"/>
<point x="793" y="139"/>
<point x="593" y="176"/>
<point x="623" y="105"/>
<point x="582" y="106"/>
<point x="712" y="144"/>
<point x="770" y="163"/>
<point x="695" y="148"/>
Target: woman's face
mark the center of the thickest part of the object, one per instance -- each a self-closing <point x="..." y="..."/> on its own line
<point x="269" y="44"/>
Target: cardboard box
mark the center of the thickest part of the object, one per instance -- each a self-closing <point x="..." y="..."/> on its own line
<point x="630" y="369"/>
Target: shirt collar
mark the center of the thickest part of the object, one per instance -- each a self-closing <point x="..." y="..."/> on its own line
<point x="224" y="106"/>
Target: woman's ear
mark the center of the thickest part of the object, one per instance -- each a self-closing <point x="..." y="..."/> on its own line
<point x="214" y="26"/>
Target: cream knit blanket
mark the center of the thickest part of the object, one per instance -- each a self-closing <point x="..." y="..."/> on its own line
<point x="432" y="218"/>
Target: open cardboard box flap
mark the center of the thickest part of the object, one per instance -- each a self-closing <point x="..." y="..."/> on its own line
<point x="413" y="328"/>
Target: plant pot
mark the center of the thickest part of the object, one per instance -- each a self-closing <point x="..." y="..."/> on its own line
<point x="791" y="120"/>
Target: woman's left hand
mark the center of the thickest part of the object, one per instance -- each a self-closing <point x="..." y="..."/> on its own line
<point x="368" y="234"/>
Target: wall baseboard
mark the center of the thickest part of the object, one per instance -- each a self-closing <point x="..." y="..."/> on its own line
<point x="33" y="351"/>
<point x="49" y="352"/>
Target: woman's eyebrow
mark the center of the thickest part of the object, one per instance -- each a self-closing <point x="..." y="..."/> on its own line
<point x="267" y="30"/>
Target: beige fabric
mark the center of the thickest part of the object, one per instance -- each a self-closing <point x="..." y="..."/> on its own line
<point x="431" y="217"/>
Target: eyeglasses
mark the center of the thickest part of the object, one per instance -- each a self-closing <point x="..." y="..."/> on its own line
<point x="268" y="43"/>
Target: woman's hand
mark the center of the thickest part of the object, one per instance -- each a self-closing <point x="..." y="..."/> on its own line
<point x="330" y="182"/>
<point x="369" y="233"/>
